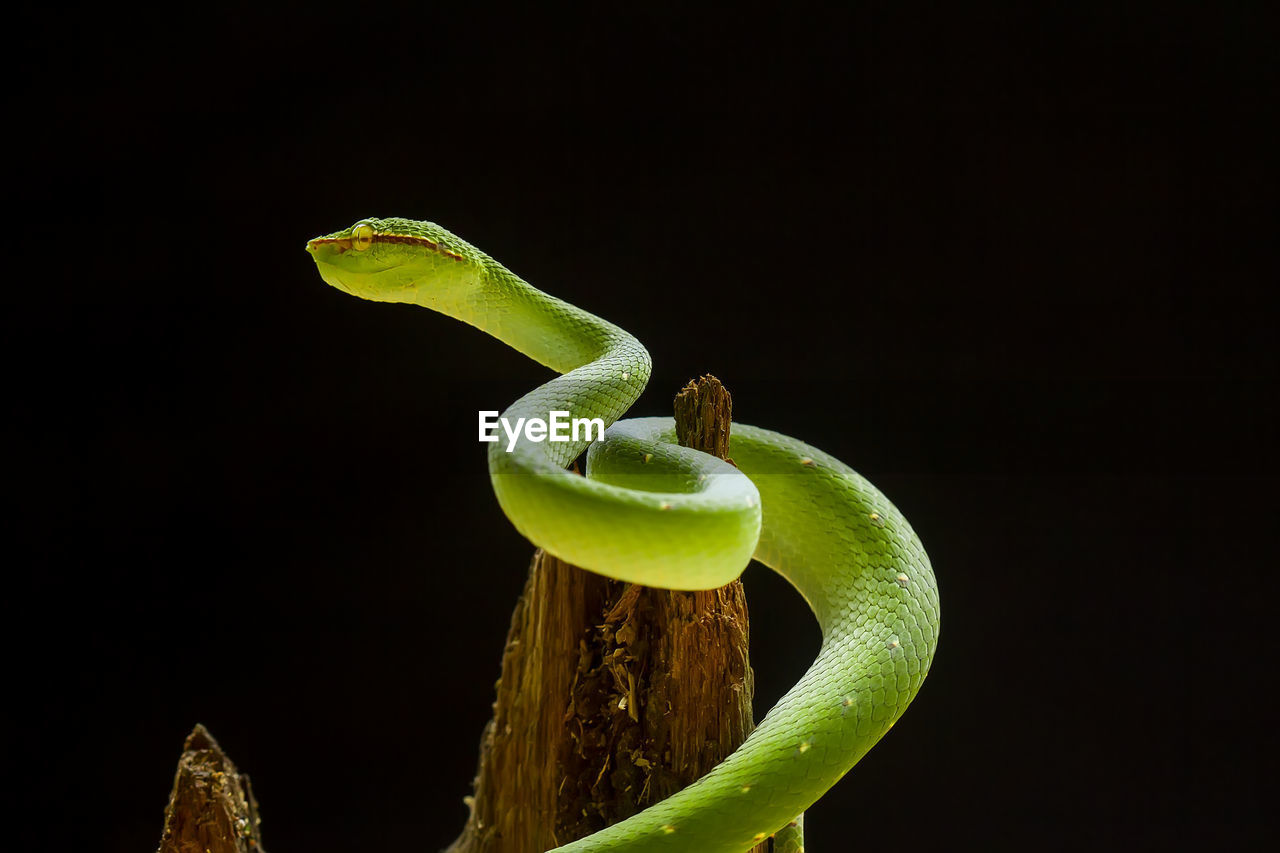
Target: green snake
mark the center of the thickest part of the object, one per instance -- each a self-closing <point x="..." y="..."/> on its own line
<point x="651" y="512"/>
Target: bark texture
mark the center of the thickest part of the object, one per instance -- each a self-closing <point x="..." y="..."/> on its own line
<point x="211" y="808"/>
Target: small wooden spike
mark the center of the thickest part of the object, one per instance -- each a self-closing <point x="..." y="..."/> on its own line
<point x="211" y="808"/>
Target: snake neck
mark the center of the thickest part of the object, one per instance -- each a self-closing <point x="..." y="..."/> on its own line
<point x="606" y="367"/>
<point x="546" y="329"/>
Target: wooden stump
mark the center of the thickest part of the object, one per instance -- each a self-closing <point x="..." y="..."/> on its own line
<point x="612" y="696"/>
<point x="211" y="808"/>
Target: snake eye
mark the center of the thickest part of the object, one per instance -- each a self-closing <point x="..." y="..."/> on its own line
<point x="361" y="236"/>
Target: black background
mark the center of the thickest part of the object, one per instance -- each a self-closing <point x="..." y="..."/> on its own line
<point x="1010" y="264"/>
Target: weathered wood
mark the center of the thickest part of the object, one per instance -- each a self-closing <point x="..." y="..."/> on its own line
<point x="611" y="696"/>
<point x="211" y="808"/>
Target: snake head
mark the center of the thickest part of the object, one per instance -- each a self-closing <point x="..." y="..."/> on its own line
<point x="399" y="260"/>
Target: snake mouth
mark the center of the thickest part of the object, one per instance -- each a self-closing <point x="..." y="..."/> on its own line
<point x="343" y="244"/>
<point x="325" y="249"/>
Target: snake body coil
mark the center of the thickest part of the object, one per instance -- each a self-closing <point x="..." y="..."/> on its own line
<point x="654" y="513"/>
